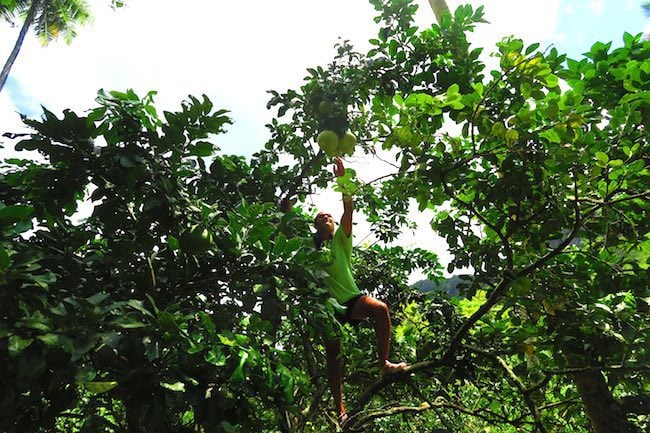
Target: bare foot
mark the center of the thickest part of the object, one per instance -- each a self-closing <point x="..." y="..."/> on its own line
<point x="343" y="418"/>
<point x="391" y="368"/>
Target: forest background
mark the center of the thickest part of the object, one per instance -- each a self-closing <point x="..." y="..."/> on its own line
<point x="184" y="301"/>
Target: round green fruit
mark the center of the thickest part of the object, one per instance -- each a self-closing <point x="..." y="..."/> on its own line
<point x="328" y="141"/>
<point x="325" y="107"/>
<point x="197" y="240"/>
<point x="347" y="143"/>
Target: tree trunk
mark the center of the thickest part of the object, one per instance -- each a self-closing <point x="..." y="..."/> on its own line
<point x="19" y="43"/>
<point x="604" y="412"/>
<point x="439" y="7"/>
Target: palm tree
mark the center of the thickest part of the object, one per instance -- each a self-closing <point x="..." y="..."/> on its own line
<point x="49" y="18"/>
<point x="439" y="7"/>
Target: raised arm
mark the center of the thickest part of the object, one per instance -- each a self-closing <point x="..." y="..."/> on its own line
<point x="348" y="204"/>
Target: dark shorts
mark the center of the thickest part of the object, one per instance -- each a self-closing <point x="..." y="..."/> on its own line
<point x="347" y="316"/>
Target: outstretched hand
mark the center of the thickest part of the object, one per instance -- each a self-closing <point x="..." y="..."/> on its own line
<point x="339" y="170"/>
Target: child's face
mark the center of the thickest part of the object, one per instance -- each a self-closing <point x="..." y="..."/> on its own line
<point x="324" y="223"/>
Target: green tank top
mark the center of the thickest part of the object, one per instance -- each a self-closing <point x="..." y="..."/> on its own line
<point x="338" y="265"/>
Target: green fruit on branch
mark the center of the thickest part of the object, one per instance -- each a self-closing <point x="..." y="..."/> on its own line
<point x="197" y="240"/>
<point x="325" y="107"/>
<point x="347" y="143"/>
<point x="328" y="141"/>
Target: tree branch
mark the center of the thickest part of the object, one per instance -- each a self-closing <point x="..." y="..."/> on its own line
<point x="484" y="220"/>
<point x="644" y="194"/>
<point x="559" y="403"/>
<point x="576" y="370"/>
<point x="298" y="179"/>
<point x="397" y="377"/>
<point x="574" y="232"/>
<point x="494" y="297"/>
<point x="534" y="411"/>
<point x="358" y="420"/>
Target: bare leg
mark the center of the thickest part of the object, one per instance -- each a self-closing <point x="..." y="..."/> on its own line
<point x="368" y="306"/>
<point x="334" y="373"/>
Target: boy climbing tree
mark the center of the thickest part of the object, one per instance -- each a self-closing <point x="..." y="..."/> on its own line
<point x="335" y="245"/>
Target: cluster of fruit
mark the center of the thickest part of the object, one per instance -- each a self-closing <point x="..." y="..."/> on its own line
<point x="333" y="145"/>
<point x="328" y="102"/>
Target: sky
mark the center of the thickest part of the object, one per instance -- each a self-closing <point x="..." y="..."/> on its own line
<point x="234" y="51"/>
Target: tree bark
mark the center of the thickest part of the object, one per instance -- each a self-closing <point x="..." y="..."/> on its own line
<point x="19" y="43"/>
<point x="604" y="412"/>
<point x="439" y="7"/>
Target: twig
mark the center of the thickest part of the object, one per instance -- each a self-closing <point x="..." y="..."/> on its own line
<point x="518" y="383"/>
<point x="576" y="370"/>
<point x="484" y="220"/>
<point x="559" y="403"/>
<point x="358" y="420"/>
<point x="619" y="200"/>
<point x="574" y="231"/>
<point x="298" y="179"/>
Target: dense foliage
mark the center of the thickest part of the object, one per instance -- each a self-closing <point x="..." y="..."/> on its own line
<point x="187" y="301"/>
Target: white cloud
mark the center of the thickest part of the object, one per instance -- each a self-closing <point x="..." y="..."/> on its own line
<point x="568" y="9"/>
<point x="629" y="5"/>
<point x="597" y="7"/>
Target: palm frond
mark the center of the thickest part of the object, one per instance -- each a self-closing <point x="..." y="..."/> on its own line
<point x="61" y="17"/>
<point x="10" y="13"/>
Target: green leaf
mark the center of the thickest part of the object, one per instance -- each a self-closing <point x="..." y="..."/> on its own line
<point x="452" y="90"/>
<point x="551" y="81"/>
<point x="176" y="387"/>
<point x="85" y="374"/>
<point x="43" y="280"/>
<point x="202" y="148"/>
<point x="128" y="322"/>
<point x="139" y="305"/>
<point x="551" y="135"/>
<point x="227" y="340"/>
<point x="99" y="387"/>
<point x="5" y="260"/>
<point x="17" y="344"/>
<point x="419" y="100"/>
<point x="16" y="212"/>
<point x="602" y="157"/>
<point x="603" y="307"/>
<point x="216" y="357"/>
<point x="50" y="339"/>
<point x="531" y="48"/>
<point x="98" y="298"/>
<point x="521" y="285"/>
<point x="512" y="136"/>
<point x="286" y="382"/>
<point x="238" y="374"/>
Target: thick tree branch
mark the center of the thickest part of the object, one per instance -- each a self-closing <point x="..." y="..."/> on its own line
<point x="494" y="297"/>
<point x="398" y="377"/>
